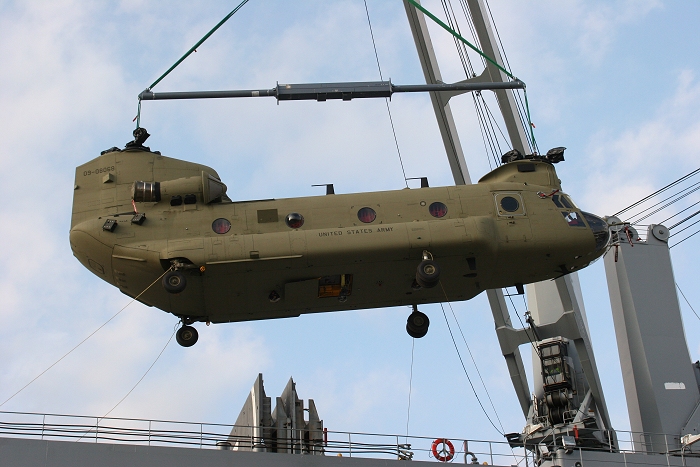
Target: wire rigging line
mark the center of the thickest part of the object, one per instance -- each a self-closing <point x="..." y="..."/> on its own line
<point x="134" y="387"/>
<point x="687" y="218"/>
<point x="489" y="138"/>
<point x="477" y="368"/>
<point x="686" y="301"/>
<point x="684" y="228"/>
<point x="686" y="238"/>
<point x="467" y="374"/>
<point x="188" y="53"/>
<point x="84" y="340"/>
<point x="388" y="109"/>
<point x="521" y="108"/>
<point x="679" y="212"/>
<point x="483" y="384"/>
<point x="486" y="57"/>
<point x="410" y="388"/>
<point x="676" y="195"/>
<point x="670" y="185"/>
<point x="484" y="135"/>
<point x="200" y="42"/>
<point x="527" y="329"/>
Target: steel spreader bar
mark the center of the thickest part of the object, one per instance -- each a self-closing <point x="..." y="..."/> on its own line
<point x="326" y="91"/>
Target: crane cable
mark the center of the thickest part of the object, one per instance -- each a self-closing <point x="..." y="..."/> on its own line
<point x="484" y="56"/>
<point x="502" y="430"/>
<point x="132" y="389"/>
<point x="410" y="387"/>
<point x="84" y="340"/>
<point x="386" y="99"/>
<point x="187" y="54"/>
<point x="677" y="197"/>
<point x="486" y="125"/>
<point x="686" y="301"/>
<point x="459" y="355"/>
<point x="670" y="185"/>
<point x="468" y="68"/>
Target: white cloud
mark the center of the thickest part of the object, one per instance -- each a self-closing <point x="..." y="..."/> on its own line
<point x="631" y="165"/>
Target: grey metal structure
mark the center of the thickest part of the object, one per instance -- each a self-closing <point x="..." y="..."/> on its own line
<point x="282" y="430"/>
<point x="17" y="452"/>
<point x="326" y="91"/>
<point x="661" y="383"/>
<point x="556" y="307"/>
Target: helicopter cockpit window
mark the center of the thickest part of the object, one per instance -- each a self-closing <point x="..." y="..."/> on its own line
<point x="573" y="219"/>
<point x="437" y="209"/>
<point x="221" y="226"/>
<point x="366" y="215"/>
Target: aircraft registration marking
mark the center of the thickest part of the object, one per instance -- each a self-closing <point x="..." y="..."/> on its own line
<point x="98" y="171"/>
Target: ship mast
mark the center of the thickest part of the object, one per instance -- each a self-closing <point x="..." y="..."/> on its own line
<point x="557" y="313"/>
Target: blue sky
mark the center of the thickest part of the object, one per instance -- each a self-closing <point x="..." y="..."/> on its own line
<point x="616" y="82"/>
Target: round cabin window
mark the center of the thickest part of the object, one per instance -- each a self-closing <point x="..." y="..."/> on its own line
<point x="221" y="226"/>
<point x="366" y="215"/>
<point x="294" y="220"/>
<point x="509" y="204"/>
<point x="437" y="209"/>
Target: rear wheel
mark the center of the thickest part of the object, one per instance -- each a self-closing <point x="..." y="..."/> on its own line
<point x="417" y="324"/>
<point x="428" y="274"/>
<point x="187" y="336"/>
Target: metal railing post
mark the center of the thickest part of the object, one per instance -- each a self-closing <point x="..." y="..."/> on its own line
<point x="201" y="430"/>
<point x="491" y="452"/>
<point x="350" y="444"/>
<point x="97" y="428"/>
<point x="149" y="432"/>
<point x="43" y="425"/>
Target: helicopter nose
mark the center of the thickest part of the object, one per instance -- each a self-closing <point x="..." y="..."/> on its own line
<point x="600" y="229"/>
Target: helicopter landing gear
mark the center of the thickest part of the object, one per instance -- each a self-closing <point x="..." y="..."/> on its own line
<point x="174" y="281"/>
<point x="428" y="272"/>
<point x="186" y="336"/>
<point x="417" y="324"/>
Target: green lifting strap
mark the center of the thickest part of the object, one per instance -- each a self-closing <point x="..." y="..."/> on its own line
<point x="187" y="54"/>
<point x="486" y="57"/>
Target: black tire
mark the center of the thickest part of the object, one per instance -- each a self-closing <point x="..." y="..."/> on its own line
<point x="187" y="336"/>
<point x="174" y="282"/>
<point x="417" y="324"/>
<point x="428" y="274"/>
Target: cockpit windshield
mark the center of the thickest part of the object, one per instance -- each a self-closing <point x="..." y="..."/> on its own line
<point x="600" y="229"/>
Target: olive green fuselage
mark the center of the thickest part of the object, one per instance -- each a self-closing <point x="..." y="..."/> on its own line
<point x="261" y="268"/>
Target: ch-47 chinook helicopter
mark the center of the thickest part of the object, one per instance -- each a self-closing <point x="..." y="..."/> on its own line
<point x="138" y="215"/>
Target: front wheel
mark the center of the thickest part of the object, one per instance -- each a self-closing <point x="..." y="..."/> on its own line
<point x="174" y="282"/>
<point x="187" y="336"/>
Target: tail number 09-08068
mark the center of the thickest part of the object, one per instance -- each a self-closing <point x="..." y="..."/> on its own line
<point x="98" y="171"/>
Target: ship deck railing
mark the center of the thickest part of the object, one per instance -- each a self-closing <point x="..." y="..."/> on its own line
<point x="145" y="432"/>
